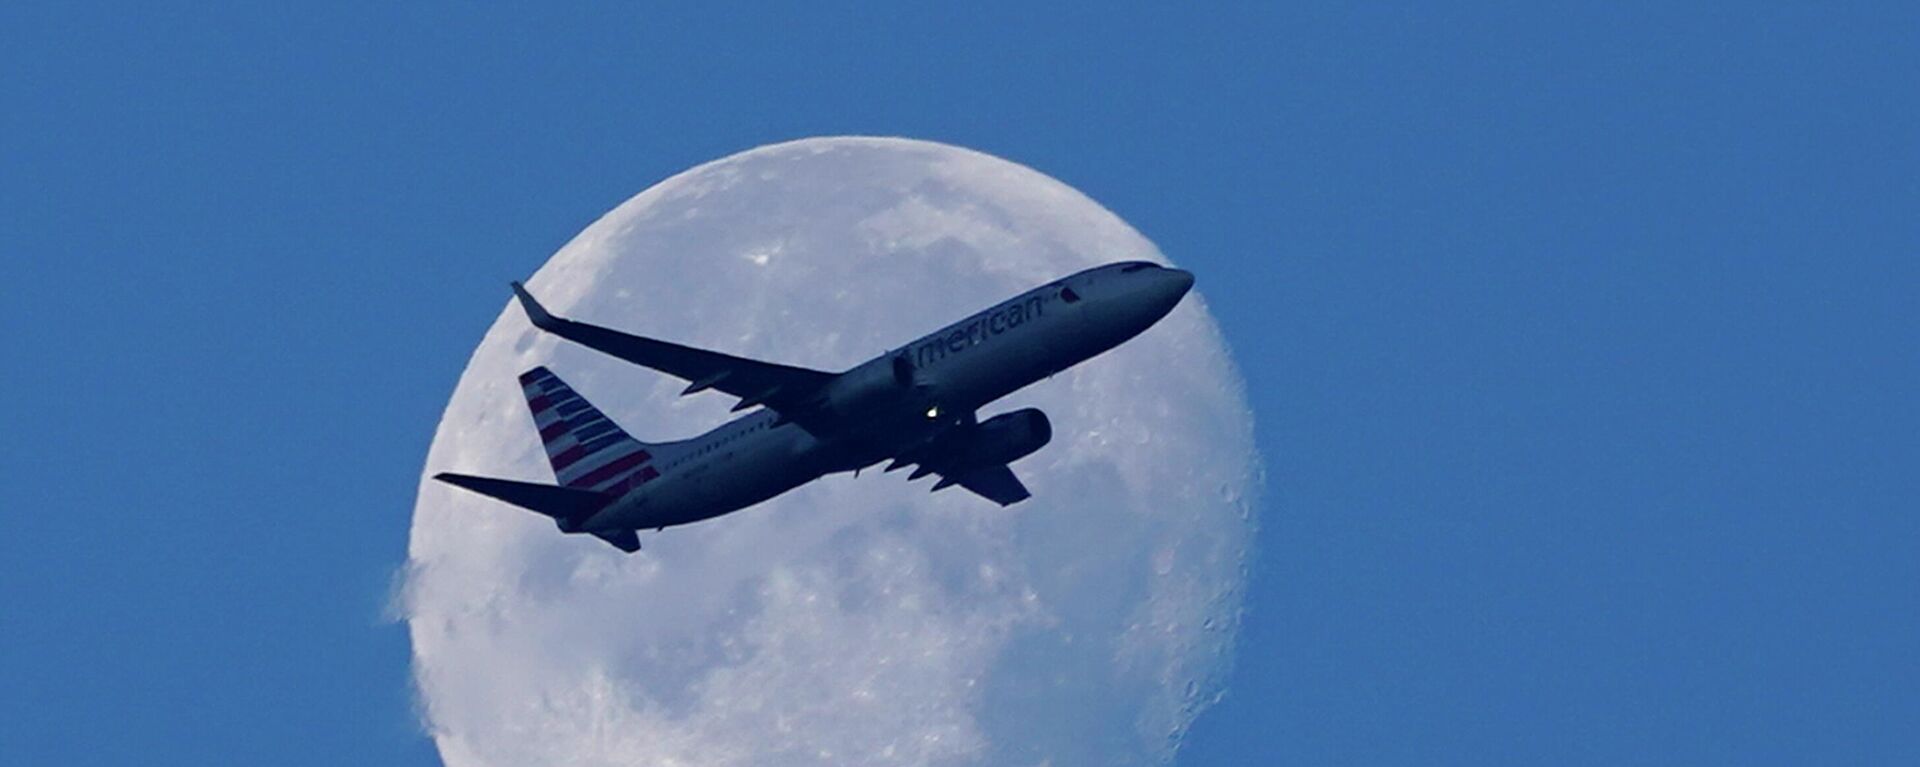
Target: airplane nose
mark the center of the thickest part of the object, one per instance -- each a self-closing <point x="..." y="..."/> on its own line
<point x="1165" y="290"/>
<point x="1170" y="285"/>
<point x="1180" y="280"/>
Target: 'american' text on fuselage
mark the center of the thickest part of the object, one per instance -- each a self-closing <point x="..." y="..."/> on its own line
<point x="981" y="327"/>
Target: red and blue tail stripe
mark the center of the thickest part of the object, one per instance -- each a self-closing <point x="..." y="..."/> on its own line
<point x="587" y="450"/>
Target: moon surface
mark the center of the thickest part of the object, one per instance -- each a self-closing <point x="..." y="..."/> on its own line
<point x="856" y="620"/>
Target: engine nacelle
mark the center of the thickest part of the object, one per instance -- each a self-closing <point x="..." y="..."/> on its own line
<point x="1006" y="438"/>
<point x="874" y="386"/>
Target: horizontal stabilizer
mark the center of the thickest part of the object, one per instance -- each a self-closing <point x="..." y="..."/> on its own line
<point x="561" y="503"/>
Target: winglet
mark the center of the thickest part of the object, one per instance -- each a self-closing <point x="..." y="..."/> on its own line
<point x="535" y="312"/>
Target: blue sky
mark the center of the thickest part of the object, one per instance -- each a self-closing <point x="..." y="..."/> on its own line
<point x="1581" y="341"/>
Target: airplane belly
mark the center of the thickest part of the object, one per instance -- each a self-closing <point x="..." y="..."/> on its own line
<point x="731" y="482"/>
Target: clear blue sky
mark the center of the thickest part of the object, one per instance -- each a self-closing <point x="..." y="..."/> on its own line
<point x="1582" y="340"/>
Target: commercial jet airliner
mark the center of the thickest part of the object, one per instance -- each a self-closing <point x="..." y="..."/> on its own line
<point x="914" y="405"/>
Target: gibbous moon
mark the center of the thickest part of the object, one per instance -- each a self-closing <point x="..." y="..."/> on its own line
<point x="856" y="620"/>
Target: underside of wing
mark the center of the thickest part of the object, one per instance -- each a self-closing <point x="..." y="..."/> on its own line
<point x="624" y="540"/>
<point x="793" y="391"/>
<point x="975" y="455"/>
<point x="994" y="483"/>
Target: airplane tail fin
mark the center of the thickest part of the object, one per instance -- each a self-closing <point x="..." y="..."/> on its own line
<point x="587" y="451"/>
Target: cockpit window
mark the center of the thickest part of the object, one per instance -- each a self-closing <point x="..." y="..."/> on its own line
<point x="1133" y="267"/>
<point x="1067" y="295"/>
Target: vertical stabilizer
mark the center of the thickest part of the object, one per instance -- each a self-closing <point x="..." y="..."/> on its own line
<point x="587" y="451"/>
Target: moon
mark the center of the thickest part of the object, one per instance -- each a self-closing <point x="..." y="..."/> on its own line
<point x="856" y="620"/>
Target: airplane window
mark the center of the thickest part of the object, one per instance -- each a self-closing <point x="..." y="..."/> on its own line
<point x="1067" y="295"/>
<point x="1133" y="267"/>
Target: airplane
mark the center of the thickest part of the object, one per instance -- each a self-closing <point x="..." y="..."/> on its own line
<point x="914" y="405"/>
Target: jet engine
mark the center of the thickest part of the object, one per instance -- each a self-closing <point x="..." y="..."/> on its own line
<point x="1002" y="439"/>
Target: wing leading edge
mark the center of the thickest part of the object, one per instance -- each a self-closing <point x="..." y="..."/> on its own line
<point x="792" y="391"/>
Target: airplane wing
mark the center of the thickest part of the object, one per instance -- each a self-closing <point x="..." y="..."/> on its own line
<point x="624" y="540"/>
<point x="994" y="483"/>
<point x="793" y="391"/>
<point x="943" y="456"/>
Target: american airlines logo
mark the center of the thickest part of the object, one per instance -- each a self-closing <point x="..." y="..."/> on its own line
<point x="978" y="329"/>
<point x="585" y="448"/>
